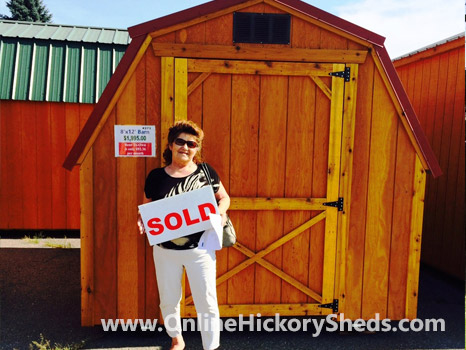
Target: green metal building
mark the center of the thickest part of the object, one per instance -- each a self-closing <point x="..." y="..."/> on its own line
<point x="57" y="63"/>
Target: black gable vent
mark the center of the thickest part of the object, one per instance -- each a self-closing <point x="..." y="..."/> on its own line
<point x="261" y="28"/>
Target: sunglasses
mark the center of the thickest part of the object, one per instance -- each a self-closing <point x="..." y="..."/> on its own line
<point x="180" y="142"/>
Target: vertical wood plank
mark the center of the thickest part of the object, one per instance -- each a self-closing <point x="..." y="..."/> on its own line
<point x="458" y="243"/>
<point x="380" y="202"/>
<point x="399" y="247"/>
<point x="243" y="179"/>
<point x="29" y="163"/>
<point x="127" y="201"/>
<point x="437" y="130"/>
<point x="5" y="112"/>
<point x="319" y="189"/>
<point x="14" y="151"/>
<point x="415" y="240"/>
<point x="181" y="89"/>
<point x="430" y="116"/>
<point x="346" y="176"/>
<point x="271" y="181"/>
<point x="300" y="141"/>
<point x="87" y="240"/>
<point x="359" y="186"/>
<point x="217" y="132"/>
<point x="153" y="106"/>
<point x="44" y="166"/>
<point x="442" y="236"/>
<point x="454" y="197"/>
<point x="57" y="156"/>
<point x="311" y="40"/>
<point x="167" y="95"/>
<point x="222" y="36"/>
<point x="333" y="184"/>
<point x="105" y="217"/>
<point x="72" y="177"/>
<point x="141" y="110"/>
<point x="216" y="146"/>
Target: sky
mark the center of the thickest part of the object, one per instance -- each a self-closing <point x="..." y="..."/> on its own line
<point x="408" y="25"/>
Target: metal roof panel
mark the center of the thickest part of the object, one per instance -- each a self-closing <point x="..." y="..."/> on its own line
<point x="51" y="31"/>
<point x="34" y="65"/>
<point x="62" y="33"/>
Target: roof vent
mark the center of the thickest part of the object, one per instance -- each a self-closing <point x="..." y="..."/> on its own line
<point x="261" y="28"/>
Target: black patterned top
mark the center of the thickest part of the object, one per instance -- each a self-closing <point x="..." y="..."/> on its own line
<point x="160" y="185"/>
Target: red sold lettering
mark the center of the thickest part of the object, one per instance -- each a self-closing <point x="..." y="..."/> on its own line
<point x="203" y="207"/>
<point x="174" y="221"/>
<point x="188" y="219"/>
<point x="154" y="223"/>
<point x="177" y="225"/>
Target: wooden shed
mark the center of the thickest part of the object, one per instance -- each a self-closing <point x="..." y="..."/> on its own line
<point x="433" y="77"/>
<point x="314" y="138"/>
<point x="50" y="78"/>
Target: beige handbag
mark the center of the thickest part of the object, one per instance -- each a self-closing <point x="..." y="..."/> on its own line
<point x="229" y="233"/>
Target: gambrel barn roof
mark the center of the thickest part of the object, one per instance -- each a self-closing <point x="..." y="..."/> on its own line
<point x="141" y="39"/>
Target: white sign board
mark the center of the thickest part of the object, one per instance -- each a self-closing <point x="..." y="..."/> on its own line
<point x="134" y="140"/>
<point x="179" y="215"/>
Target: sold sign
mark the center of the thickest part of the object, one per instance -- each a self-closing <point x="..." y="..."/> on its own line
<point x="179" y="215"/>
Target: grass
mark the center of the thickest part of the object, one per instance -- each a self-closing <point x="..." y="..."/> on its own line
<point x="44" y="344"/>
<point x="37" y="238"/>
<point x="34" y="239"/>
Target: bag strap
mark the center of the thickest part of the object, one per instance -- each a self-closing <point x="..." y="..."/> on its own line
<point x="207" y="173"/>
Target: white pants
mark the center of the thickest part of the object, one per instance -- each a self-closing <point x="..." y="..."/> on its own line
<point x="200" y="267"/>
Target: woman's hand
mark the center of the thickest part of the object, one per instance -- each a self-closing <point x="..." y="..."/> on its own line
<point x="142" y="230"/>
<point x="224" y="218"/>
<point x="223" y="201"/>
<point x="141" y="225"/>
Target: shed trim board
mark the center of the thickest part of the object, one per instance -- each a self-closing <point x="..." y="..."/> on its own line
<point x="144" y="32"/>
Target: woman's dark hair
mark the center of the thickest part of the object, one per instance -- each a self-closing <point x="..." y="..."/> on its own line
<point x="187" y="127"/>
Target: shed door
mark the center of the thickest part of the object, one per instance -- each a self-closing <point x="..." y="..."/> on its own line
<point x="273" y="133"/>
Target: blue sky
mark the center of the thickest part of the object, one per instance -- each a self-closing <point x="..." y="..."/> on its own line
<point x="407" y="24"/>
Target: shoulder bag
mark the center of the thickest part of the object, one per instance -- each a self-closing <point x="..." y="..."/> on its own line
<point x="229" y="233"/>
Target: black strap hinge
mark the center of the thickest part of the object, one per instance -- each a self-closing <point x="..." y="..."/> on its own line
<point x="333" y="306"/>
<point x="337" y="204"/>
<point x="343" y="74"/>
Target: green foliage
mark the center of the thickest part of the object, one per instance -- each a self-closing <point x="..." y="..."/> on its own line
<point x="28" y="10"/>
<point x="44" y="344"/>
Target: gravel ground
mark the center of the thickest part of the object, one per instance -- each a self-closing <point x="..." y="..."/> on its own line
<point x="40" y="294"/>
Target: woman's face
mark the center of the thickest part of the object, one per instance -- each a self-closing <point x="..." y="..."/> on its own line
<point x="182" y="148"/>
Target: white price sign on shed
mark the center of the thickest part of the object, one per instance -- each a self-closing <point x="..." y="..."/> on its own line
<point x="134" y="140"/>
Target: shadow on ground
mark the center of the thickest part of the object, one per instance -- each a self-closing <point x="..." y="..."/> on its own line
<point x="40" y="294"/>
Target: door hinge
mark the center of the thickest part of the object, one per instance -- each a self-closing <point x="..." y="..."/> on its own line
<point x="343" y="74"/>
<point x="333" y="306"/>
<point x="337" y="204"/>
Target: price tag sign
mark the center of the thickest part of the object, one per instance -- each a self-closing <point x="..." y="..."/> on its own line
<point x="134" y="140"/>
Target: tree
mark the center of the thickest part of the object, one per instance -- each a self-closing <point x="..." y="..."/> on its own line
<point x="28" y="10"/>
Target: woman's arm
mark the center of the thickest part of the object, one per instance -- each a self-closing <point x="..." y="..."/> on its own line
<point x="223" y="201"/>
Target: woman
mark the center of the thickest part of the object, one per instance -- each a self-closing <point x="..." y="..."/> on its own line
<point x="182" y="174"/>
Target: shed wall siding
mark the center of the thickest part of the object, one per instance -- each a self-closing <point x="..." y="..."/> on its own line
<point x="36" y="192"/>
<point x="379" y="231"/>
<point x="125" y="283"/>
<point x="435" y="85"/>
